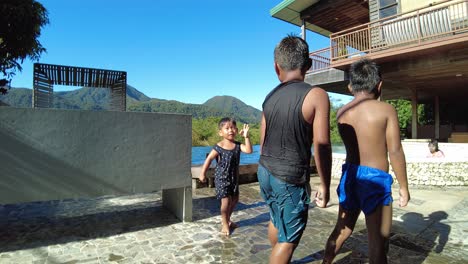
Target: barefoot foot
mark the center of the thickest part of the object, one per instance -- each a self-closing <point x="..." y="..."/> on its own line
<point x="225" y="231"/>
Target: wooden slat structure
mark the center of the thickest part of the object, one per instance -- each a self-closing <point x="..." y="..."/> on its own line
<point x="48" y="75"/>
<point x="334" y="15"/>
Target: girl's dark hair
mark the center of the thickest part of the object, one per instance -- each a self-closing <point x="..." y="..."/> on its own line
<point x="434" y="143"/>
<point x="225" y="120"/>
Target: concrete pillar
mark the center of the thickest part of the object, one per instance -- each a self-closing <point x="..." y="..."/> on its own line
<point x="436" y="117"/>
<point x="414" y="110"/>
<point x="303" y="29"/>
<point x="179" y="202"/>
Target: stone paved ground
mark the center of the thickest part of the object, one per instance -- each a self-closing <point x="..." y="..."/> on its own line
<point x="136" y="229"/>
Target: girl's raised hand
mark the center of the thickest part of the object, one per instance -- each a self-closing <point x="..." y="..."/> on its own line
<point x="245" y="131"/>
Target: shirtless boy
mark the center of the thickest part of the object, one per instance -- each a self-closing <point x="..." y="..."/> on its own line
<point x="370" y="132"/>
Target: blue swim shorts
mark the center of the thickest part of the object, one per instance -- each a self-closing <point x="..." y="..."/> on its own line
<point x="289" y="205"/>
<point x="364" y="188"/>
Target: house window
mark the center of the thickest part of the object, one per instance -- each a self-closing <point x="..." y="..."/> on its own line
<point x="388" y="8"/>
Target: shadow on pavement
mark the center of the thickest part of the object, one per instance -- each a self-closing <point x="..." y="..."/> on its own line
<point x="206" y="207"/>
<point x="261" y="218"/>
<point x="435" y="232"/>
<point x="35" y="229"/>
<point x="421" y="236"/>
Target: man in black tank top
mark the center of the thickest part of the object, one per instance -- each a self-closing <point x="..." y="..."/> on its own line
<point x="295" y="115"/>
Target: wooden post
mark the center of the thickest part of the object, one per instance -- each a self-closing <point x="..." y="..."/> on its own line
<point x="436" y="117"/>
<point x="414" y="110"/>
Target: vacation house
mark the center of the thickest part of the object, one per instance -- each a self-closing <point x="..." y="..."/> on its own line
<point x="421" y="46"/>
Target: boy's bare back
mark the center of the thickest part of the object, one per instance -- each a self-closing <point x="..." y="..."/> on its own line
<point x="370" y="130"/>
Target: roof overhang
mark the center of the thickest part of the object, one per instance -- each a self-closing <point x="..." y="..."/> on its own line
<point x="290" y="11"/>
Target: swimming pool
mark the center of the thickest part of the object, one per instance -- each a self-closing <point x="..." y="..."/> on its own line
<point x="452" y="170"/>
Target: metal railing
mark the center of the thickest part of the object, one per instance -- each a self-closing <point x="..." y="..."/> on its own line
<point x="416" y="27"/>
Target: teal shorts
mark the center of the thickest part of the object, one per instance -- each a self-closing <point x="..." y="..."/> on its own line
<point x="364" y="188"/>
<point x="289" y="205"/>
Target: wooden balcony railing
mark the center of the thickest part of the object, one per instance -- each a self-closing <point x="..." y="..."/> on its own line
<point x="320" y="59"/>
<point x="417" y="27"/>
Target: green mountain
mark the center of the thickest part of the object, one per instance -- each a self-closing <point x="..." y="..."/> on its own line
<point x="201" y="110"/>
<point x="18" y="97"/>
<point x="171" y="106"/>
<point x="233" y="105"/>
<point x="84" y="98"/>
<point x="98" y="99"/>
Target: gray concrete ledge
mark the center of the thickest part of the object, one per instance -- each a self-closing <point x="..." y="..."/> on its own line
<point x="54" y="154"/>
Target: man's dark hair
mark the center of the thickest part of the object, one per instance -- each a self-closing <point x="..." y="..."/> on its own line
<point x="225" y="120"/>
<point x="364" y="75"/>
<point x="292" y="53"/>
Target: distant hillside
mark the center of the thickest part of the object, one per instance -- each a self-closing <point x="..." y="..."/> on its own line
<point x="171" y="106"/>
<point x="98" y="99"/>
<point x="201" y="110"/>
<point x="84" y="98"/>
<point x="133" y="95"/>
<point x="231" y="104"/>
<point x="18" y="97"/>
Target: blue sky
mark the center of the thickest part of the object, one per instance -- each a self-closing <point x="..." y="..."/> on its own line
<point x="187" y="50"/>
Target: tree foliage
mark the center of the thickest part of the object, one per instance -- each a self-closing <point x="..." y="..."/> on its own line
<point x="205" y="132"/>
<point x="21" y="22"/>
<point x="334" y="134"/>
<point x="405" y="113"/>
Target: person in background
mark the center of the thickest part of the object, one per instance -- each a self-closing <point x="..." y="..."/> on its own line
<point x="434" y="151"/>
<point x="371" y="134"/>
<point x="227" y="154"/>
<point x="295" y="115"/>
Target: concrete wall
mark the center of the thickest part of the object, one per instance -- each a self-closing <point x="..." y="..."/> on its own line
<point x="326" y="76"/>
<point x="49" y="154"/>
<point x="332" y="80"/>
<point x="409" y="5"/>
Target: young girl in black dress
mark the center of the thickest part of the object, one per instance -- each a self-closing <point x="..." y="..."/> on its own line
<point x="227" y="154"/>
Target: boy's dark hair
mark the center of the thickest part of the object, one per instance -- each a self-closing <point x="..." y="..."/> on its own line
<point x="292" y="53"/>
<point x="364" y="75"/>
<point x="225" y="120"/>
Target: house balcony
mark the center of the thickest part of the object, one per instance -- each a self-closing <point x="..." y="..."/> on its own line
<point x="440" y="27"/>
